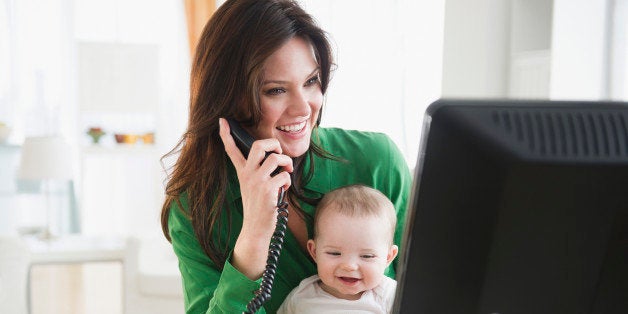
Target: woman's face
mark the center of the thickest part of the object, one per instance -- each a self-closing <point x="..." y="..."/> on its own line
<point x="290" y="97"/>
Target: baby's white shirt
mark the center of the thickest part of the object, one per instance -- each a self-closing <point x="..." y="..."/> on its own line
<point x="309" y="297"/>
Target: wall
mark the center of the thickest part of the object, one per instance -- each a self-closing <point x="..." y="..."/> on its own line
<point x="531" y="28"/>
<point x="558" y="49"/>
<point x="476" y="48"/>
<point x="618" y="84"/>
<point x="579" y="50"/>
<point x="530" y="45"/>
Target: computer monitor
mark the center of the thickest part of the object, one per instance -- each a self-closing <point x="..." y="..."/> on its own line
<point x="518" y="207"/>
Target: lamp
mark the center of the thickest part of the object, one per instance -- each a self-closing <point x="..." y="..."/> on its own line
<point x="45" y="158"/>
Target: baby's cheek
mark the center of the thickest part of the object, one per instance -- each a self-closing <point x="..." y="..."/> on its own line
<point x="375" y="274"/>
<point x="324" y="268"/>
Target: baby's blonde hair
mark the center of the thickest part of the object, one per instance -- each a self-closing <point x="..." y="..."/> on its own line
<point x="358" y="201"/>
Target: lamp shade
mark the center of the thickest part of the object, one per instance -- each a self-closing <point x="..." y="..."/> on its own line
<point x="45" y="157"/>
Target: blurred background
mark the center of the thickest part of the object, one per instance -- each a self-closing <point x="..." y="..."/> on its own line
<point x="94" y="92"/>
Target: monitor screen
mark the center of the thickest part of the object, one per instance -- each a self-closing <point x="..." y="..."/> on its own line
<point x="518" y="207"/>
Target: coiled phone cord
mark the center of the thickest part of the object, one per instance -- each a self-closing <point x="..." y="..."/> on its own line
<point x="274" y="250"/>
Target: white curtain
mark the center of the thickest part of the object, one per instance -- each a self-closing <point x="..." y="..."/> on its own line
<point x="36" y="83"/>
<point x="39" y="95"/>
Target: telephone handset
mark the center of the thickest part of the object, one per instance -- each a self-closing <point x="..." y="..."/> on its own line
<point x="242" y="138"/>
<point x="244" y="141"/>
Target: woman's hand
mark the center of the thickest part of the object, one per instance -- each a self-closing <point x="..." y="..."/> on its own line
<point x="259" y="198"/>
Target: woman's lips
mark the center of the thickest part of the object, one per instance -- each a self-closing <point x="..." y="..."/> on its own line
<point x="293" y="128"/>
<point x="293" y="131"/>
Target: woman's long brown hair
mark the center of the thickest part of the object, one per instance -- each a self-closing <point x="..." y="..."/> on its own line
<point x="225" y="82"/>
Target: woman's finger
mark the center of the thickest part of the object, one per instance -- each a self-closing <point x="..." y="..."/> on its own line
<point x="261" y="148"/>
<point x="282" y="179"/>
<point x="274" y="161"/>
<point x="231" y="149"/>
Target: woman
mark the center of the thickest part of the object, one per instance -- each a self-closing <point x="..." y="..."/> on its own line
<point x="266" y="64"/>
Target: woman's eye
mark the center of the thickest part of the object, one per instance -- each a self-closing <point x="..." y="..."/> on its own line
<point x="275" y="91"/>
<point x="313" y="80"/>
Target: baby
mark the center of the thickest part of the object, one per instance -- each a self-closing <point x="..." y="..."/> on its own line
<point x="352" y="246"/>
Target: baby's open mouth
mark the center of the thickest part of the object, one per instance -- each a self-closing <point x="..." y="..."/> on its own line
<point x="349" y="279"/>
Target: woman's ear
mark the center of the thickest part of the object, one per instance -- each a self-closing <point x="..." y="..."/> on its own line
<point x="392" y="253"/>
<point x="311" y="248"/>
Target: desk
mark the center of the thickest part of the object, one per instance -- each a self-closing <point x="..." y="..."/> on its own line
<point x="74" y="249"/>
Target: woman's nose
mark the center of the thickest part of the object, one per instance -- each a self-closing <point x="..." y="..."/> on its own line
<point x="300" y="104"/>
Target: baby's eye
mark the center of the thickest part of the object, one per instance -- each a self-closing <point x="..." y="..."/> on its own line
<point x="275" y="91"/>
<point x="333" y="253"/>
<point x="368" y="256"/>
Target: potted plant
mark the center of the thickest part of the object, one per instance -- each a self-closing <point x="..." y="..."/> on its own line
<point x="95" y="133"/>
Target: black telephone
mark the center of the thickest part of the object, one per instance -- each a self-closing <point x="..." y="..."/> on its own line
<point x="244" y="141"/>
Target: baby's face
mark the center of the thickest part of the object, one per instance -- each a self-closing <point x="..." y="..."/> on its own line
<point x="351" y="253"/>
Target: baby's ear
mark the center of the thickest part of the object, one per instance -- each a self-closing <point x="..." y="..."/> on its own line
<point x="311" y="248"/>
<point x="392" y="253"/>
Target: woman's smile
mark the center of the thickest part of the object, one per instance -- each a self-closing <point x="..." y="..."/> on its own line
<point x="293" y="128"/>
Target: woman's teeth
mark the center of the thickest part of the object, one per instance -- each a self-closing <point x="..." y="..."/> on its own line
<point x="292" y="128"/>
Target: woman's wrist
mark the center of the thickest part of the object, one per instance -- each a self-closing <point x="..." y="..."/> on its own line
<point x="249" y="256"/>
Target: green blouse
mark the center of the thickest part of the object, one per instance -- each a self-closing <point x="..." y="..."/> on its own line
<point x="371" y="159"/>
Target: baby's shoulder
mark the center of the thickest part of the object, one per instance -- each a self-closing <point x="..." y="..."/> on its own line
<point x="384" y="293"/>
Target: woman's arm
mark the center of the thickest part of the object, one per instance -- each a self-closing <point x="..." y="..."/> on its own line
<point x="206" y="288"/>
<point x="259" y="198"/>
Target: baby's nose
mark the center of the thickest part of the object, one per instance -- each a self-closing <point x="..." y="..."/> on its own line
<point x="349" y="264"/>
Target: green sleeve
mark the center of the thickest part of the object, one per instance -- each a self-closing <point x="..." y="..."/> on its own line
<point x="395" y="181"/>
<point x="399" y="187"/>
<point x="206" y="288"/>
